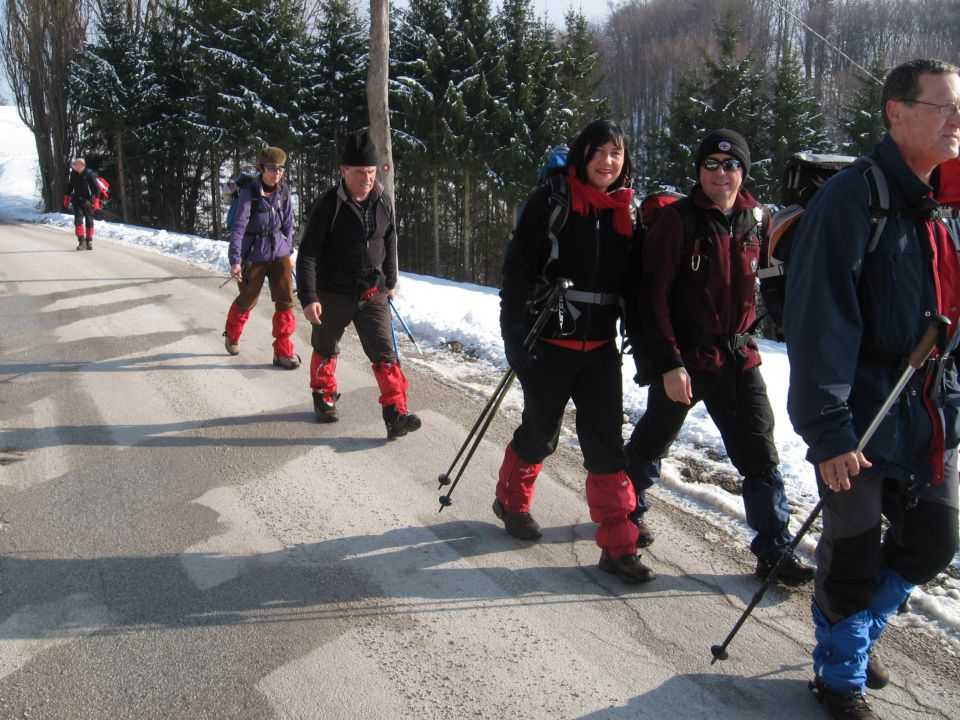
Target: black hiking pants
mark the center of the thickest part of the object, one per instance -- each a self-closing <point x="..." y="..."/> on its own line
<point x="594" y="382"/>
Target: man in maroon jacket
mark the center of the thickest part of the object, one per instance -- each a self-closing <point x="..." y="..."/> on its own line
<point x="695" y="307"/>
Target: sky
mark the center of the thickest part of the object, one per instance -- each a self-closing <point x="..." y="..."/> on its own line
<point x="442" y="314"/>
<point x="554" y="10"/>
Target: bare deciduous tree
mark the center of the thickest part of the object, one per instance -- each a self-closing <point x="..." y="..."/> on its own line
<point x="38" y="39"/>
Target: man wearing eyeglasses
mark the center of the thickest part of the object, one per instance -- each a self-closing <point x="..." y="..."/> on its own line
<point x="695" y="308"/>
<point x="852" y="315"/>
<point x="261" y="243"/>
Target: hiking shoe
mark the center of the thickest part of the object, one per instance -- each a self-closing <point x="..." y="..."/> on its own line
<point x="325" y="408"/>
<point x="843" y="706"/>
<point x="399" y="425"/>
<point x="792" y="571"/>
<point x="646" y="536"/>
<point x="626" y="567"/>
<point x="291" y="362"/>
<point x="233" y="346"/>
<point x="519" y="524"/>
<point x="878" y="677"/>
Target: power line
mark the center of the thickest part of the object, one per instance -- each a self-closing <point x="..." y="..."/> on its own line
<point x="827" y="42"/>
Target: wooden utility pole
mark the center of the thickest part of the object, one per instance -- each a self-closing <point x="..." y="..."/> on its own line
<point x="377" y="101"/>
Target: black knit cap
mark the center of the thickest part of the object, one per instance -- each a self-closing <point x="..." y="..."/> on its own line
<point x="725" y="141"/>
<point x="359" y="151"/>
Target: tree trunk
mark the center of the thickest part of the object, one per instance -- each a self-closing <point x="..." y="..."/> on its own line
<point x="121" y="177"/>
<point x="435" y="199"/>
<point x="377" y="102"/>
<point x="467" y="253"/>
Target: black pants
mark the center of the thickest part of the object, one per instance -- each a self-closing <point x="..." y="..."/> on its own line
<point x="371" y="318"/>
<point x="594" y="382"/>
<point x="738" y="406"/>
<point x="82" y="213"/>
<point x="919" y="543"/>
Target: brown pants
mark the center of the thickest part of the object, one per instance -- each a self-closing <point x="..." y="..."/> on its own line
<point x="279" y="274"/>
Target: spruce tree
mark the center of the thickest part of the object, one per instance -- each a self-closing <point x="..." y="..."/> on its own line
<point x="796" y="123"/>
<point x="862" y="121"/>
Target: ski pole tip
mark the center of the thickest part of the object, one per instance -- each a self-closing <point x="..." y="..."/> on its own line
<point x="718" y="652"/>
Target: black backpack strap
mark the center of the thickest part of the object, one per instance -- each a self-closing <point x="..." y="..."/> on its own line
<point x="559" y="206"/>
<point x="691" y="230"/>
<point x="879" y="191"/>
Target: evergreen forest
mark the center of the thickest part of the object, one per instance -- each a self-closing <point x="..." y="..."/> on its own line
<point x="168" y="99"/>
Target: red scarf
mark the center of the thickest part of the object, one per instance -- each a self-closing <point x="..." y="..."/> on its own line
<point x="587" y="198"/>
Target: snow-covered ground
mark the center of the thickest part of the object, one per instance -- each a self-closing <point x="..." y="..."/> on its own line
<point x="456" y="325"/>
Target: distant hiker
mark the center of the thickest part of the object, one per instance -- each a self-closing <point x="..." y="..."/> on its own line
<point x="83" y="193"/>
<point x="261" y="243"/>
<point x="346" y="272"/>
<point x="579" y="360"/>
<point x="852" y="317"/>
<point x="694" y="308"/>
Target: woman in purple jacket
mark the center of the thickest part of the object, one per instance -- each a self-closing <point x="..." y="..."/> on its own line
<point x="261" y="243"/>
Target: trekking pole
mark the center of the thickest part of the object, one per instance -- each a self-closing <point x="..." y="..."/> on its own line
<point x="554" y="302"/>
<point x="933" y="337"/>
<point x="393" y="336"/>
<point x="225" y="281"/>
<point x="404" y="325"/>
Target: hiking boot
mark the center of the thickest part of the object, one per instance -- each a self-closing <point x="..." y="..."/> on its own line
<point x="233" y="346"/>
<point x="626" y="567"/>
<point x="89" y="245"/>
<point x="519" y="524"/>
<point x="325" y="409"/>
<point x="399" y="425"/>
<point x="792" y="572"/>
<point x="291" y="362"/>
<point x="843" y="706"/>
<point x="878" y="677"/>
<point x="646" y="536"/>
<point x="81" y="244"/>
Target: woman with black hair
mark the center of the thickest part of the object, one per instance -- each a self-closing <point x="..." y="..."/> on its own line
<point x="577" y="360"/>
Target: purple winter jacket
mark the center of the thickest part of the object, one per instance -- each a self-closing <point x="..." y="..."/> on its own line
<point x="268" y="233"/>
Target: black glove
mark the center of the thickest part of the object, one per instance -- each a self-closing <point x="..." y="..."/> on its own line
<point x="513" y="337"/>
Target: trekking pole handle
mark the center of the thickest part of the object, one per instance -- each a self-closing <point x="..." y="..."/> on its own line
<point x="556" y="296"/>
<point x="934" y="336"/>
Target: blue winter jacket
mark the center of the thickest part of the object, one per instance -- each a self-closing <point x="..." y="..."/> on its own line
<point x="849" y="315"/>
<point x="268" y="234"/>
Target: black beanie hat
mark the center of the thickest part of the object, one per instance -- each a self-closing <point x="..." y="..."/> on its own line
<point x="728" y="142"/>
<point x="359" y="151"/>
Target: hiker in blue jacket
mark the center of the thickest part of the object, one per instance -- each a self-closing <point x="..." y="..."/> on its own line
<point x="261" y="243"/>
<point x="852" y="315"/>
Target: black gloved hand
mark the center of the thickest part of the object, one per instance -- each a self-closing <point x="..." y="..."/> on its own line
<point x="513" y="337"/>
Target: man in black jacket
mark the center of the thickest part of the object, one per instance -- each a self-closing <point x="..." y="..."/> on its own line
<point x="346" y="271"/>
<point x="83" y="193"/>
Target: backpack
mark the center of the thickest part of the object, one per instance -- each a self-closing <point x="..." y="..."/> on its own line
<point x="104" y="188"/>
<point x="231" y="194"/>
<point x="803" y="176"/>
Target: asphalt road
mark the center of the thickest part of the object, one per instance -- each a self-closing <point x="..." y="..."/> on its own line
<point x="179" y="539"/>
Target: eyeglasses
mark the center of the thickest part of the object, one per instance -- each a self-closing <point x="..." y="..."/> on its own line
<point x="945" y="110"/>
<point x="273" y="167"/>
<point x="728" y="165"/>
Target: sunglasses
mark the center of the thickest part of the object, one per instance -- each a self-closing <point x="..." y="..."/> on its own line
<point x="273" y="167"/>
<point x="728" y="165"/>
